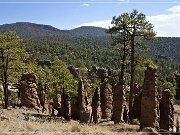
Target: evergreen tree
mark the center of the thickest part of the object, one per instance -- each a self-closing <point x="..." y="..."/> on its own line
<point x="11" y="59"/>
<point x="134" y="28"/>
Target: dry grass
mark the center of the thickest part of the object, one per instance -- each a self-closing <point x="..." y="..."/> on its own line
<point x="16" y="122"/>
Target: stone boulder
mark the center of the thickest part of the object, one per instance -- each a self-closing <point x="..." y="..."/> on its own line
<point x="149" y="102"/>
<point x="166" y="111"/>
<point x="28" y="91"/>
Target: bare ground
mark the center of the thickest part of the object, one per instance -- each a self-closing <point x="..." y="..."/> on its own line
<point x="26" y="121"/>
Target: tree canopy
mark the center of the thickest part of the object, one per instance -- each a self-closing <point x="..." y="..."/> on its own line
<point x="11" y="60"/>
<point x="130" y="29"/>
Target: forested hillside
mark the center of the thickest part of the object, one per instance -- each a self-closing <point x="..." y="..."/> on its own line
<point x="86" y="46"/>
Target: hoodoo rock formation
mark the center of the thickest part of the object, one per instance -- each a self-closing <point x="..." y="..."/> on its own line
<point x="149" y="102"/>
<point x="95" y="106"/>
<point x="118" y="102"/>
<point x="28" y="91"/>
<point x="106" y="100"/>
<point x="166" y="111"/>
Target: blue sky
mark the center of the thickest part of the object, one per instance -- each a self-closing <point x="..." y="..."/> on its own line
<point x="68" y="14"/>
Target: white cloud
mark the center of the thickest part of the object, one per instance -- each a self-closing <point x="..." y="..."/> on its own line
<point x="175" y="9"/>
<point x="121" y="0"/>
<point x="166" y="25"/>
<point x="102" y="23"/>
<point x="85" y="5"/>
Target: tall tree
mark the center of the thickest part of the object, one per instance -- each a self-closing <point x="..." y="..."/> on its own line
<point x="63" y="79"/>
<point x="10" y="59"/>
<point x="135" y="28"/>
<point x="119" y="37"/>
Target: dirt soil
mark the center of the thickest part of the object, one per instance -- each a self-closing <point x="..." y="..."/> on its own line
<point x="28" y="121"/>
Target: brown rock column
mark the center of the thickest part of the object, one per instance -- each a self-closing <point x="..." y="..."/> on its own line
<point x="118" y="102"/>
<point x="125" y="114"/>
<point x="106" y="100"/>
<point x="46" y="106"/>
<point x="137" y="106"/>
<point x="149" y="102"/>
<point x="83" y="112"/>
<point x="95" y="105"/>
<point x="57" y="101"/>
<point x="28" y="91"/>
<point x="66" y="106"/>
<point x="82" y="99"/>
<point x="166" y="111"/>
<point x="81" y="95"/>
<point x="74" y="108"/>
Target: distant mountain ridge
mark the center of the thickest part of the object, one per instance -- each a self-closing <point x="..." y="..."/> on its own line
<point x="90" y="30"/>
<point x="164" y="48"/>
<point x="28" y="30"/>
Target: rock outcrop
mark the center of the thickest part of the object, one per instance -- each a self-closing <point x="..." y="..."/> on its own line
<point x="95" y="106"/>
<point x="118" y="102"/>
<point x="106" y="100"/>
<point x="101" y="73"/>
<point x="73" y="71"/>
<point x="82" y="98"/>
<point x="83" y="113"/>
<point x="74" y="108"/>
<point x="46" y="106"/>
<point x="125" y="114"/>
<point x="43" y="99"/>
<point x="166" y="111"/>
<point x="65" y="106"/>
<point x="149" y="102"/>
<point x="28" y="91"/>
<point x="57" y="101"/>
<point x="137" y="106"/>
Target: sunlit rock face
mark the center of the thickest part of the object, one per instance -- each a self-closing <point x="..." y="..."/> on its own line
<point x="149" y="102"/>
<point x="28" y="91"/>
<point x="106" y="100"/>
<point x="118" y="102"/>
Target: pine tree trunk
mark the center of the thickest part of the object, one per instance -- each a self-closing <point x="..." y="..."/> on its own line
<point x="132" y="80"/>
<point x="4" y="77"/>
<point x="121" y="77"/>
<point x="6" y="99"/>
